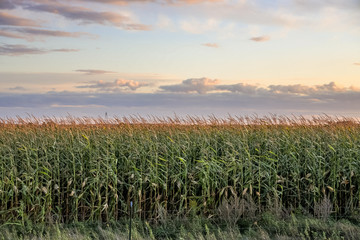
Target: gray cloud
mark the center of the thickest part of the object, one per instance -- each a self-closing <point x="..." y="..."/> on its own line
<point x="239" y="88"/>
<point x="233" y="103"/>
<point x="331" y="87"/>
<point x="199" y="85"/>
<point x="185" y="98"/>
<point x="117" y="85"/>
<point x="88" y="16"/>
<point x="17" y="88"/>
<point x="11" y="35"/>
<point x="313" y="5"/>
<point x="44" y="32"/>
<point x="93" y="71"/>
<point x="10" y="20"/>
<point x="63" y="50"/>
<point x="122" y="2"/>
<point x="260" y="39"/>
<point x="194" y="1"/>
<point x="7" y="4"/>
<point x="212" y="45"/>
<point x="17" y="50"/>
<point x="31" y="34"/>
<point x="205" y="85"/>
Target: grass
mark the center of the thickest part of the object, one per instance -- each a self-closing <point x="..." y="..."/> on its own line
<point x="64" y="171"/>
<point x="266" y="226"/>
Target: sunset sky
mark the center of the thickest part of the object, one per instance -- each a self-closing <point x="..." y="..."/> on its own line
<point x="165" y="57"/>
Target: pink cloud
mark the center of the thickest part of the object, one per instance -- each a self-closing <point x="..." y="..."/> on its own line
<point x="260" y="39"/>
<point x="11" y="20"/>
<point x="89" y="16"/>
<point x="11" y="35"/>
<point x="212" y="45"/>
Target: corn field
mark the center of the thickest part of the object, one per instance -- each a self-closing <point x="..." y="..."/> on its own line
<point x="73" y="169"/>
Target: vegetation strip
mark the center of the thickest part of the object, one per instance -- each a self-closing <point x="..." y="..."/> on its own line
<point x="231" y="169"/>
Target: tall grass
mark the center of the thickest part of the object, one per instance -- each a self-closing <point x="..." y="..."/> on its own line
<point x="70" y="170"/>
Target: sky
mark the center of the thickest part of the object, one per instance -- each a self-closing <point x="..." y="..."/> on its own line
<point x="183" y="57"/>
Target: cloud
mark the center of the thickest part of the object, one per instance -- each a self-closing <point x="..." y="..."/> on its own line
<point x="199" y="16"/>
<point x="93" y="71"/>
<point x="314" y="5"/>
<point x="197" y="27"/>
<point x="63" y="50"/>
<point x="10" y="20"/>
<point x="239" y="88"/>
<point x="164" y="22"/>
<point x="17" y="88"/>
<point x="44" y="32"/>
<point x="88" y="16"/>
<point x="31" y="33"/>
<point x="260" y="39"/>
<point x="199" y="85"/>
<point x="212" y="45"/>
<point x="195" y="1"/>
<point x="244" y="12"/>
<point x="11" y="35"/>
<point x="7" y="4"/>
<point x="205" y="85"/>
<point x="331" y="87"/>
<point x="289" y="14"/>
<point x="358" y="64"/>
<point x="18" y="49"/>
<point x="122" y="2"/>
<point x="283" y="13"/>
<point x="198" y="104"/>
<point x="117" y="85"/>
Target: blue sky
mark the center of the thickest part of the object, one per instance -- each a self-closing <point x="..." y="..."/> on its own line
<point x="160" y="57"/>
